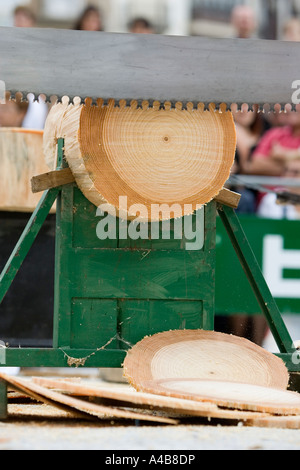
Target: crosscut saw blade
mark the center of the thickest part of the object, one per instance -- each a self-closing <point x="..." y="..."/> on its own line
<point x="148" y="67"/>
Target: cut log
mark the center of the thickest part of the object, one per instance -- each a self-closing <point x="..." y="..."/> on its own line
<point x="21" y="158"/>
<point x="75" y="405"/>
<point x="238" y="396"/>
<point x="199" y="354"/>
<point x="132" y="399"/>
<point x="180" y="157"/>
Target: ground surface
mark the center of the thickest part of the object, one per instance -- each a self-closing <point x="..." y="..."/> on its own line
<point x="45" y="434"/>
<point x="32" y="426"/>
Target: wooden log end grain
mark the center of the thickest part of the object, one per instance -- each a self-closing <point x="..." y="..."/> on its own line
<point x="151" y="155"/>
<point x="204" y="355"/>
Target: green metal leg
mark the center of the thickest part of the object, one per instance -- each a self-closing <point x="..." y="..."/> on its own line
<point x="26" y="240"/>
<point x="3" y="400"/>
<point x="256" y="279"/>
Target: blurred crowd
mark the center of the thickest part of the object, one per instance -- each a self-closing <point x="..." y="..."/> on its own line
<point x="268" y="144"/>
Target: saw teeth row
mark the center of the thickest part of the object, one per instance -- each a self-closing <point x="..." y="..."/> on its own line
<point x="145" y="104"/>
<point x="156" y="105"/>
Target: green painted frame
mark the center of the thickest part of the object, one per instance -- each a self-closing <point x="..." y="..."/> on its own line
<point x="63" y="354"/>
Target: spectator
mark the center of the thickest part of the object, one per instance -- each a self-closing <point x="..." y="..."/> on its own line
<point x="24" y="17"/>
<point x="26" y="114"/>
<point x="244" y="21"/>
<point x="141" y="26"/>
<point x="250" y="127"/>
<point x="278" y="147"/>
<point x="291" y="30"/>
<point x="13" y="112"/>
<point x="90" y="20"/>
<point x="269" y="208"/>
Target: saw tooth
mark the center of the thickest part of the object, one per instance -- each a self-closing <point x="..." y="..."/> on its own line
<point x="134" y="104"/>
<point x="244" y="108"/>
<point x="100" y="102"/>
<point x="266" y="108"/>
<point x="88" y="102"/>
<point x="54" y="99"/>
<point x="17" y="97"/>
<point x="111" y="103"/>
<point x="156" y="105"/>
<point x="190" y="107"/>
<point x="223" y="108"/>
<point x="122" y="104"/>
<point x="127" y="102"/>
<point x="65" y="100"/>
<point x="234" y="108"/>
<point x="77" y="101"/>
<point x="8" y="95"/>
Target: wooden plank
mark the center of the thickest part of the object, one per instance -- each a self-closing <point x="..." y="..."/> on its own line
<point x="52" y="179"/>
<point x="132" y="399"/>
<point x="229" y="394"/>
<point x="228" y="198"/>
<point x="79" y="406"/>
<point x="279" y="422"/>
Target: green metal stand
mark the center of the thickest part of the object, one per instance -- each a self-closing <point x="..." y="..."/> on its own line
<point x="110" y="294"/>
<point x="253" y="272"/>
<point x="3" y="399"/>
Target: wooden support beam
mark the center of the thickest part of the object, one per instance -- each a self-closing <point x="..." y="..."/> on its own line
<point x="229" y="198"/>
<point x="50" y="180"/>
<point x="57" y="178"/>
